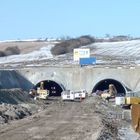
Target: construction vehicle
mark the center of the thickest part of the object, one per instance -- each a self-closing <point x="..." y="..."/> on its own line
<point x="73" y="95"/>
<point x="132" y="100"/>
<point x="129" y="101"/>
<point x="68" y="95"/>
<point x="110" y="93"/>
<point x="135" y="117"/>
<point x="80" y="94"/>
<point x="40" y="93"/>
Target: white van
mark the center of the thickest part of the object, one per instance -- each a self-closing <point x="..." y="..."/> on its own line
<point x="67" y="95"/>
<point x="72" y="95"/>
<point x="80" y="94"/>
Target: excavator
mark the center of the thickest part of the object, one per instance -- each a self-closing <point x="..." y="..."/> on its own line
<point x="110" y="93"/>
<point x="40" y="93"/>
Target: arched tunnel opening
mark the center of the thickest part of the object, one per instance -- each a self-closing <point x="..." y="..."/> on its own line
<point x="53" y="87"/>
<point x="104" y="85"/>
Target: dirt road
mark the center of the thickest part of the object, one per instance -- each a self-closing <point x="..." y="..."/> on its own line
<point x="58" y="121"/>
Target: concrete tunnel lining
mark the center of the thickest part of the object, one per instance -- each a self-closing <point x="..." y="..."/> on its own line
<point x="103" y="85"/>
<point x="54" y="87"/>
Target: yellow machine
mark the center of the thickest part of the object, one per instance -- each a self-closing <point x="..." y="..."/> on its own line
<point x="111" y="92"/>
<point x="135" y="117"/>
<point x="132" y="100"/>
<point x="105" y="95"/>
<point x="41" y="92"/>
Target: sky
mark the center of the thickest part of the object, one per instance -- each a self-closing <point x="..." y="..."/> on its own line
<point x="26" y="19"/>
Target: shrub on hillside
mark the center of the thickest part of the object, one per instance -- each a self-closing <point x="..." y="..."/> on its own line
<point x="67" y="46"/>
<point x="85" y="40"/>
<point x="2" y="54"/>
<point x="12" y="51"/>
<point x="120" y="38"/>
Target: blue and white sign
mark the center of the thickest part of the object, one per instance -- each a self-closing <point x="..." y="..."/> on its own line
<point x="81" y="53"/>
<point x="87" y="61"/>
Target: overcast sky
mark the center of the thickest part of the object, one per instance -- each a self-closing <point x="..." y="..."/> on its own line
<point x="24" y="19"/>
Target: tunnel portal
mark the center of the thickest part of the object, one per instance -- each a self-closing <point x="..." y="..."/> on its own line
<point x="54" y="88"/>
<point x="104" y="84"/>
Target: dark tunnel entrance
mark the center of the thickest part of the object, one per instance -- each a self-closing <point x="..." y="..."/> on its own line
<point x="54" y="88"/>
<point x="104" y="84"/>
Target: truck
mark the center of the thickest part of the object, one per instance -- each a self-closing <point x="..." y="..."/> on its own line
<point x="68" y="95"/>
<point x="81" y="94"/>
<point x="73" y="95"/>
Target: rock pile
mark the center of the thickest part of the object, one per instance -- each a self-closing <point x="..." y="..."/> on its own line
<point x="14" y="96"/>
<point x="111" y="118"/>
<point x="12" y="112"/>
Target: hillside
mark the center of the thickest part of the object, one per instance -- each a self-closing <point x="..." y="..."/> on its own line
<point x="26" y="46"/>
<point x="39" y="53"/>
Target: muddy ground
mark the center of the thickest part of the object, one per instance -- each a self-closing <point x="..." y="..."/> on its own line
<point x="53" y="119"/>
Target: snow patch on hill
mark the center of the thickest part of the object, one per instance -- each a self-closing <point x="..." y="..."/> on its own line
<point x="117" y="49"/>
<point x="123" y="52"/>
<point x="43" y="53"/>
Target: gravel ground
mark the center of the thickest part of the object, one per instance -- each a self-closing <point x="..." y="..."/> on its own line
<point x="53" y="119"/>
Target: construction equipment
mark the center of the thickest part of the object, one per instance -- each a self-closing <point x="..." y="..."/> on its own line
<point x="41" y="92"/>
<point x="110" y="93"/>
<point x="120" y="100"/>
<point x="135" y="115"/>
<point x="112" y="90"/>
<point x="80" y="94"/>
<point x="73" y="95"/>
<point x="68" y="95"/>
<point x="32" y="93"/>
<point x="132" y="100"/>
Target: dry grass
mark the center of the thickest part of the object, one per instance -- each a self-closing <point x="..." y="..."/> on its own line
<point x="25" y="47"/>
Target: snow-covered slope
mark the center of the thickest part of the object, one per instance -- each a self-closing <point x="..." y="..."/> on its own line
<point x="43" y="53"/>
<point x="117" y="49"/>
<point x="117" y="53"/>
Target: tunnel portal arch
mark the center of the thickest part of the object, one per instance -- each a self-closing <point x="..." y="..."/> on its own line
<point x="54" y="87"/>
<point x="104" y="84"/>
